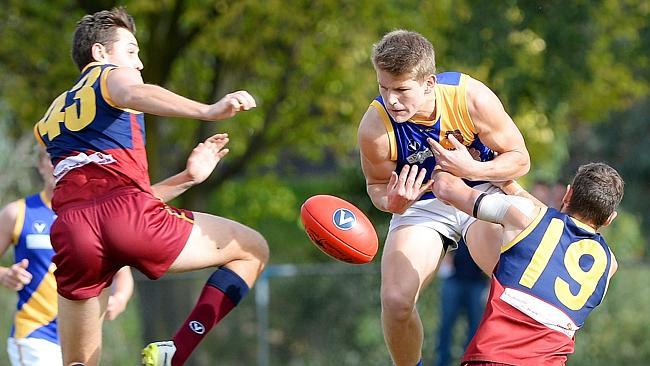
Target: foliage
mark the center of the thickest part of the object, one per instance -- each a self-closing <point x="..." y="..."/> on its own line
<point x="621" y="140"/>
<point x="558" y="66"/>
<point x="17" y="163"/>
<point x="307" y="64"/>
<point x="335" y="321"/>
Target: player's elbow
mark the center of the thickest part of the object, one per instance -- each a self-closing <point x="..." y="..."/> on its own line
<point x="525" y="164"/>
<point x="376" y="197"/>
<point x="521" y="164"/>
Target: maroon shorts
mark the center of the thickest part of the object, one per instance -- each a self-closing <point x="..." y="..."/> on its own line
<point x="127" y="227"/>
<point x="484" y="363"/>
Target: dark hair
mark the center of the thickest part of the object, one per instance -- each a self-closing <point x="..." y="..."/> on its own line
<point x="403" y="52"/>
<point x="99" y="27"/>
<point x="597" y="191"/>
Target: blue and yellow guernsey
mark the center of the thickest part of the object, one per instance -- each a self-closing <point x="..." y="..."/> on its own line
<point x="37" y="302"/>
<point x="408" y="140"/>
<point x="555" y="271"/>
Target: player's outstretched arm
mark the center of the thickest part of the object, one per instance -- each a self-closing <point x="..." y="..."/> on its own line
<point x="16" y="276"/>
<point x="513" y="213"/>
<point x="200" y="164"/>
<point x="126" y="89"/>
<point x="122" y="291"/>
<point x="511" y="187"/>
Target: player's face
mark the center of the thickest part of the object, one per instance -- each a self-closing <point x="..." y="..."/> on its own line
<point x="124" y="52"/>
<point x="403" y="96"/>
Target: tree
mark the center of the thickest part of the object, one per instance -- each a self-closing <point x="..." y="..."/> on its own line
<point x="554" y="64"/>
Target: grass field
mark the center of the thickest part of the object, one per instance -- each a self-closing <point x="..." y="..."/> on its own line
<point x="332" y="319"/>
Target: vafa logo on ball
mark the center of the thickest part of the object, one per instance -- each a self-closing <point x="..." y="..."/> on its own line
<point x="344" y="219"/>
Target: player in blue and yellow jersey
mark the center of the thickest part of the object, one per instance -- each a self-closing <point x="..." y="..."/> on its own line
<point x="554" y="267"/>
<point x="415" y="104"/>
<point x="25" y="223"/>
<point x="108" y="216"/>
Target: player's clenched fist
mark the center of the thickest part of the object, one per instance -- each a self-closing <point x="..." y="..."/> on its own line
<point x="230" y="104"/>
<point x="405" y="188"/>
<point x="16" y="276"/>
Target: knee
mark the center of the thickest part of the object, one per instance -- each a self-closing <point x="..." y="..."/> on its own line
<point x="396" y="304"/>
<point x="259" y="247"/>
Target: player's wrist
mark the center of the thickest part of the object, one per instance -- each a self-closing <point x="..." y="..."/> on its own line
<point x="476" y="170"/>
<point x="512" y="188"/>
<point x="204" y="112"/>
<point x="119" y="297"/>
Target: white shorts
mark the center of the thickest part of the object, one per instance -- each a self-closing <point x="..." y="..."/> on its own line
<point x="446" y="220"/>
<point x="33" y="352"/>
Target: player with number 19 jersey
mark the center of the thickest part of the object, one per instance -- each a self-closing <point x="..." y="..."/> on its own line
<point x="107" y="214"/>
<point x="547" y="281"/>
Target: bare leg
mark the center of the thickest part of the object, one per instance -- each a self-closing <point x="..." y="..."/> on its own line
<point x="409" y="261"/>
<point x="217" y="241"/>
<point x="241" y="254"/>
<point x="483" y="239"/>
<point x="80" y="328"/>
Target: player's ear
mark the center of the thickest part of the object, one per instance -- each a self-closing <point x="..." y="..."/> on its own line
<point x="430" y="83"/>
<point x="611" y="218"/>
<point x="567" y="195"/>
<point x="98" y="51"/>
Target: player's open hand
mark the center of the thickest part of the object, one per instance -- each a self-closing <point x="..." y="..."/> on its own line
<point x="16" y="276"/>
<point x="458" y="161"/>
<point x="205" y="157"/>
<point x="229" y="105"/>
<point x="406" y="188"/>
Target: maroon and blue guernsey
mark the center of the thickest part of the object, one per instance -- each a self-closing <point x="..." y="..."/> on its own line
<point x="547" y="281"/>
<point x="94" y="145"/>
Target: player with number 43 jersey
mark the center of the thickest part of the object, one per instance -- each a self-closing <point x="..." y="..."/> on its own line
<point x="108" y="214"/>
<point x="95" y="132"/>
<point x="554" y="268"/>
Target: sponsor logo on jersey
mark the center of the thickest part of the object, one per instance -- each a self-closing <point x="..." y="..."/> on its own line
<point x="39" y="226"/>
<point x="38" y="241"/>
<point x="344" y="219"/>
<point x="414" y="145"/>
<point x="420" y="156"/>
<point x="197" y="327"/>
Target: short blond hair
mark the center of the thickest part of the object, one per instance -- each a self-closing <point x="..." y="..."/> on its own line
<point x="402" y="52"/>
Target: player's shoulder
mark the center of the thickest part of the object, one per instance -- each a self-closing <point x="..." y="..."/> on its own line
<point x="123" y="74"/>
<point x="372" y="124"/>
<point x="482" y="103"/>
<point x="614" y="265"/>
<point x="8" y="216"/>
<point x="373" y="136"/>
<point x="476" y="90"/>
<point x="10" y="211"/>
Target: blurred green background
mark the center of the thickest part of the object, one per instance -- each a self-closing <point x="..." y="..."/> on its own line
<point x="573" y="74"/>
